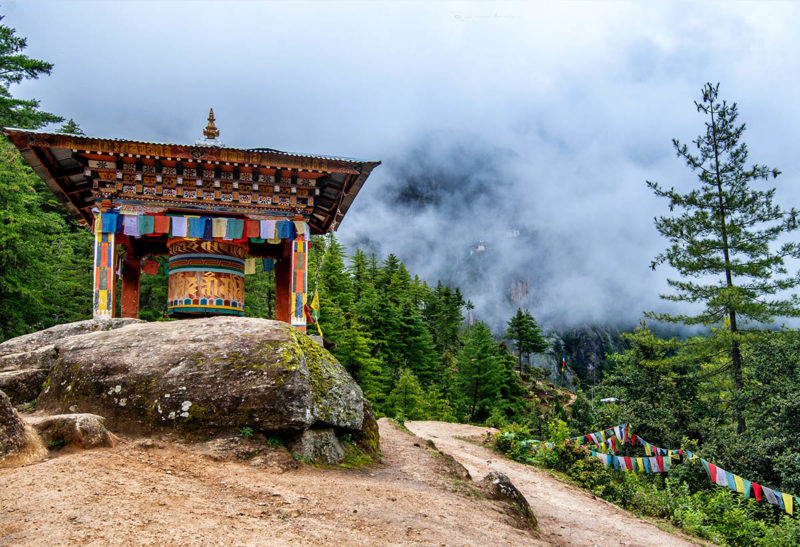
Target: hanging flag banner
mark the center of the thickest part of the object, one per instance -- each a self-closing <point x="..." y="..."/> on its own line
<point x="660" y="460"/>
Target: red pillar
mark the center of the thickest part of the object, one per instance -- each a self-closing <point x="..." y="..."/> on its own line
<point x="283" y="289"/>
<point x="283" y="284"/>
<point x="131" y="273"/>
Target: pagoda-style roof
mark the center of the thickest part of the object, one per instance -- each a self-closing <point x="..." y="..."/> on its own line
<point x="258" y="182"/>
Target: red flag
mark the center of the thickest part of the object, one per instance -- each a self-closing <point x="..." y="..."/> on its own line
<point x="161" y="224"/>
<point x="150" y="267"/>
<point x="251" y="228"/>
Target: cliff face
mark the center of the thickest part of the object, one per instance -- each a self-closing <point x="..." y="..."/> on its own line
<point x="584" y="347"/>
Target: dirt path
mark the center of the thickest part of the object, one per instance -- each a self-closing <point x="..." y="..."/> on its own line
<point x="567" y="515"/>
<point x="145" y="493"/>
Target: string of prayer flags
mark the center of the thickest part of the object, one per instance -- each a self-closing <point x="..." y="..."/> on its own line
<point x="136" y="224"/>
<point x="659" y="460"/>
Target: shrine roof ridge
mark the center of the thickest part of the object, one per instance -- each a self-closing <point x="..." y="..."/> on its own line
<point x="44" y="133"/>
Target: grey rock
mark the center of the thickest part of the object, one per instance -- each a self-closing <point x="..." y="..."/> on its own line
<point x="26" y="361"/>
<point x="203" y="376"/>
<point x="318" y="445"/>
<point x="23" y="386"/>
<point x="500" y="487"/>
<point x="74" y="430"/>
<point x="35" y="340"/>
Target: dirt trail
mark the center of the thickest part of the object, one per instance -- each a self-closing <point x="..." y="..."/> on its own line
<point x="567" y="515"/>
<point x="144" y="493"/>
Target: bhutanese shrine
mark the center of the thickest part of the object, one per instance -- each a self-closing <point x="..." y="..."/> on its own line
<point x="210" y="208"/>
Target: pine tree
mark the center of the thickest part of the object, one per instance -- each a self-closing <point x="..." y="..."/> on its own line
<point x="14" y="68"/>
<point x="724" y="236"/>
<point x="437" y="406"/>
<point x="479" y="373"/>
<point x="334" y="281"/>
<point x="407" y="400"/>
<point x="527" y="336"/>
<point x="418" y="350"/>
<point x="71" y="127"/>
<point x="359" y="272"/>
<point x="511" y="390"/>
<point x="354" y="353"/>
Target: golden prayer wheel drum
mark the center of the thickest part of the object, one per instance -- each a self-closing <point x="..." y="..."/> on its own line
<point x="205" y="277"/>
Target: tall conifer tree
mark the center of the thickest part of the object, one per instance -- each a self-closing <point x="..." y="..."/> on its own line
<point x="14" y="68"/>
<point x="527" y="335"/>
<point x="722" y="240"/>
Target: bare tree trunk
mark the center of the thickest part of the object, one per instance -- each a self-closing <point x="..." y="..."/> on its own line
<point x="736" y="355"/>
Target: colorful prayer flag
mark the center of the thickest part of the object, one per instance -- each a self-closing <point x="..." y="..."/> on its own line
<point x="150" y="267"/>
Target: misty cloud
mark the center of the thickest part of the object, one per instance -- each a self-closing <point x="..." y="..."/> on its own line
<point x="541" y="118"/>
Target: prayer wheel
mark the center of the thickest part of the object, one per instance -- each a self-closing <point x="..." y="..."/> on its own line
<point x="205" y="277"/>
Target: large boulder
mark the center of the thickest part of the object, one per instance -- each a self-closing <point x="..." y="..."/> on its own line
<point x="204" y="377"/>
<point x="26" y="361"/>
<point x="500" y="487"/>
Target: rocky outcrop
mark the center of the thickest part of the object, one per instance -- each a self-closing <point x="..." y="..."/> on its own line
<point x="46" y="337"/>
<point x="257" y="451"/>
<point x="368" y="438"/>
<point x="202" y="375"/>
<point x="199" y="377"/>
<point x="26" y="361"/>
<point x="584" y="347"/>
<point x="318" y="445"/>
<point x="18" y="443"/>
<point x="500" y="487"/>
<point x="74" y="430"/>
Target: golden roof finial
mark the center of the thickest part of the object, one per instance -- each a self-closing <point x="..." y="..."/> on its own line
<point x="211" y="132"/>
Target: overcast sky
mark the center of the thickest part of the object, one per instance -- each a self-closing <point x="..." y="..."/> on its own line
<point x="541" y="117"/>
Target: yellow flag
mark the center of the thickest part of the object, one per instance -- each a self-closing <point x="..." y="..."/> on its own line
<point x="788" y="503"/>
<point x="315" y="302"/>
<point x="249" y="266"/>
<point x="98" y="223"/>
<point x="640" y="463"/>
